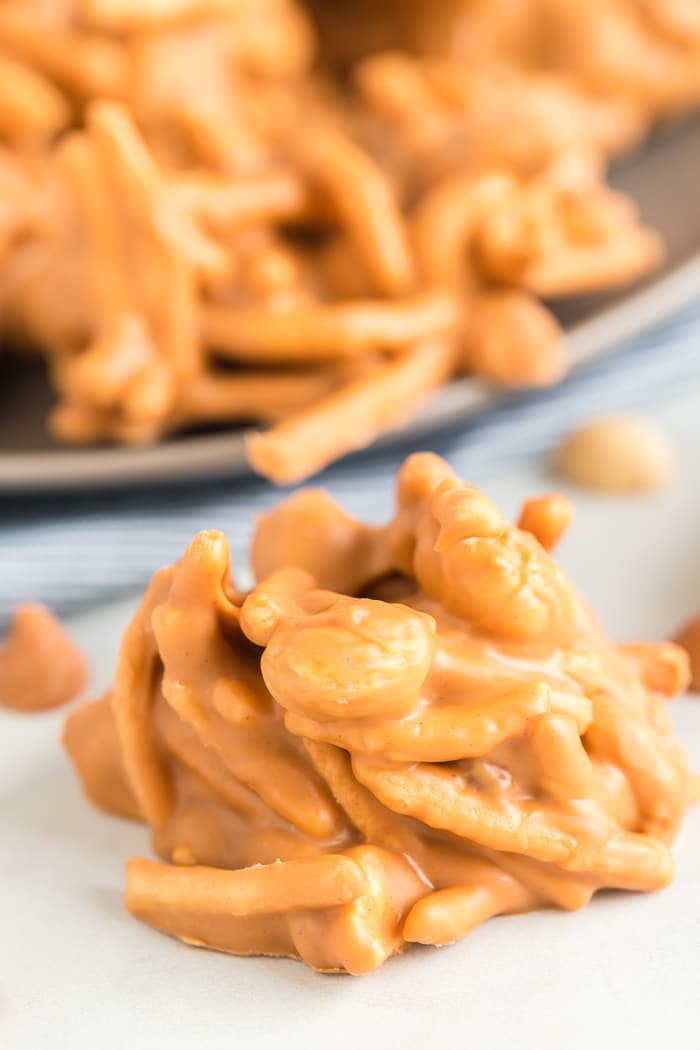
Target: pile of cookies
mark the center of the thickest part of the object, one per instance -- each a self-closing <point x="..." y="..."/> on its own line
<point x="212" y="214"/>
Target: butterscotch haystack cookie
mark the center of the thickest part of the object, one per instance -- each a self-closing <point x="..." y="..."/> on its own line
<point x="264" y="242"/>
<point x="396" y="734"/>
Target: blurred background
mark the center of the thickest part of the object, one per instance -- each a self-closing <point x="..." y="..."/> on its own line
<point x="242" y="240"/>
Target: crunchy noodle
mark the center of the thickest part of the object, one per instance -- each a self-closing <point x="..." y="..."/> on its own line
<point x="40" y="667"/>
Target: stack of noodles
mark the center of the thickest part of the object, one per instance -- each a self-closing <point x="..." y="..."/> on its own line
<point x="397" y="734"/>
<point x="207" y="216"/>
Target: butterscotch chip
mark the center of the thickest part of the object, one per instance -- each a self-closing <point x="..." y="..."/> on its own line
<point x="689" y="639"/>
<point x="40" y="666"/>
<point x="619" y="454"/>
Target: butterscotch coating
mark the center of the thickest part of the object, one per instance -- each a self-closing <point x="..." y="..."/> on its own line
<point x="356" y="659"/>
<point x="644" y="52"/>
<point x="311" y="531"/>
<point x="40" y="667"/>
<point x="547" y="518"/>
<point x="90" y="738"/>
<point x="353" y="928"/>
<point x="513" y="340"/>
<point x="418" y="478"/>
<point x="666" y="668"/>
<point x="566" y="234"/>
<point x="335" y="776"/>
<point x="480" y="568"/>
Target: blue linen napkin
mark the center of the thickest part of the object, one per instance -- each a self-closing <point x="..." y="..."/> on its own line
<point x="73" y="552"/>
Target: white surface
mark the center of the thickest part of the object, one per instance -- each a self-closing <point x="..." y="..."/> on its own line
<point x="77" y="972"/>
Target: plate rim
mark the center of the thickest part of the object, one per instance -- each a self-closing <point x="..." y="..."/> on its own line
<point x="206" y="457"/>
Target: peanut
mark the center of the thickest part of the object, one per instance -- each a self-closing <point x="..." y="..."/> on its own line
<point x="617" y="454"/>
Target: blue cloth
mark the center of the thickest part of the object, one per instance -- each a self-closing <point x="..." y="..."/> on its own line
<point x="77" y="551"/>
